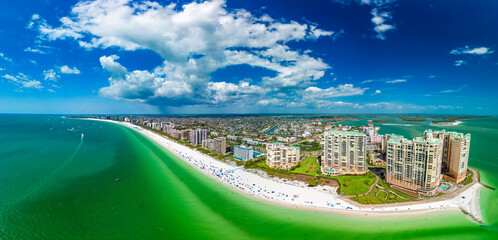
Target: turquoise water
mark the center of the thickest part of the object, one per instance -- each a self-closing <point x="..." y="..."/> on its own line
<point x="54" y="184"/>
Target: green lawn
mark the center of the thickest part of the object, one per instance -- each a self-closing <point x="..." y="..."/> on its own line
<point x="378" y="196"/>
<point x="356" y="184"/>
<point x="382" y="194"/>
<point x="384" y="185"/>
<point x="306" y="165"/>
<point x="262" y="164"/>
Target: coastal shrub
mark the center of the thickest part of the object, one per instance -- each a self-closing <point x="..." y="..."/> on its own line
<point x="248" y="164"/>
<point x="296" y="166"/>
<point x="311" y="181"/>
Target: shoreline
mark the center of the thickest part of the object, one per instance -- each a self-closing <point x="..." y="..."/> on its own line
<point x="319" y="199"/>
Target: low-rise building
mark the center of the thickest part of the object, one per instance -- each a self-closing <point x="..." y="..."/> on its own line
<point x="231" y="137"/>
<point x="291" y="139"/>
<point x="243" y="152"/>
<point x="280" y="156"/>
<point x="250" y="141"/>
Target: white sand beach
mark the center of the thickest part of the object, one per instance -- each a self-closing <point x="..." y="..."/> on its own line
<point x="297" y="195"/>
<point x="455" y="123"/>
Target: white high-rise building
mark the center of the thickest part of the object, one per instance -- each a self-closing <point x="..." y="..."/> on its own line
<point x="198" y="135"/>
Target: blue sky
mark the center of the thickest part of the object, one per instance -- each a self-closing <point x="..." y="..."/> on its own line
<point x="316" y="56"/>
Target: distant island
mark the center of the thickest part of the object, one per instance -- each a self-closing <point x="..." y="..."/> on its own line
<point x="412" y="119"/>
<point x="444" y="120"/>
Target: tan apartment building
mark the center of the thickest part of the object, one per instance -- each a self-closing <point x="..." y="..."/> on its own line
<point x="280" y="156"/>
<point x="456" y="147"/>
<point x="415" y="164"/>
<point x="343" y="153"/>
<point x="186" y="134"/>
<point x="218" y="145"/>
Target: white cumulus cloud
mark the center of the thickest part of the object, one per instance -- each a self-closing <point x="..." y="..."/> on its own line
<point x="51" y="75"/>
<point x="473" y="51"/>
<point x="459" y="63"/>
<point x="339" y="91"/>
<point x="379" y="19"/>
<point x="67" y="70"/>
<point x="195" y="40"/>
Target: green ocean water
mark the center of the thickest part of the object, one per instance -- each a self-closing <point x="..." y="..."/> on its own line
<point x="56" y="184"/>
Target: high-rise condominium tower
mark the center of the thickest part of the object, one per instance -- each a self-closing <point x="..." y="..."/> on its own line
<point x="415" y="164"/>
<point x="456" y="147"/>
<point x="198" y="135"/>
<point x="343" y="153"/>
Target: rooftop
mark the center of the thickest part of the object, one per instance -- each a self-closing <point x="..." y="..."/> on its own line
<point x="244" y="147"/>
<point x="346" y="133"/>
